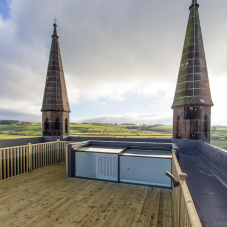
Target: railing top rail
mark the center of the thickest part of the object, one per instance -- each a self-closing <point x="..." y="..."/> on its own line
<point x="194" y="218"/>
<point x="44" y="143"/>
<point x="5" y="148"/>
<point x="191" y="210"/>
<point x="35" y="144"/>
<point x="178" y="168"/>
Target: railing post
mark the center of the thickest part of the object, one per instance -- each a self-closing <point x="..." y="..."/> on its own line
<point x="58" y="150"/>
<point x="29" y="157"/>
<point x="182" y="177"/>
<point x="1" y="165"/>
<point x="66" y="159"/>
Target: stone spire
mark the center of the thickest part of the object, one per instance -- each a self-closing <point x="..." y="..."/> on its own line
<point x="55" y="108"/>
<point x="193" y="83"/>
<point x="192" y="102"/>
<point x="194" y="3"/>
<point x="55" y="94"/>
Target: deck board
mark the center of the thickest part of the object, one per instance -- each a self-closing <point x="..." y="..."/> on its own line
<point x="46" y="198"/>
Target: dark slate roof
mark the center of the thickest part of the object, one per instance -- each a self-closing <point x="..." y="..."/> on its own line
<point x="193" y="83"/>
<point x="55" y="94"/>
<point x="208" y="193"/>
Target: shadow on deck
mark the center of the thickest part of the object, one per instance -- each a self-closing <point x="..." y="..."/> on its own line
<point x="46" y="198"/>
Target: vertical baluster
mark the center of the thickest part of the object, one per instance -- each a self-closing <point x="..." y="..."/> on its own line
<point x="63" y="152"/>
<point x="48" y="150"/>
<point x="36" y="156"/>
<point x="33" y="156"/>
<point x="60" y="151"/>
<point x="0" y="164"/>
<point x="21" y="160"/>
<point x="15" y="161"/>
<point x="54" y="153"/>
<point x="18" y="161"/>
<point x="11" y="162"/>
<point x="7" y="158"/>
<point x="29" y="157"/>
<point x="24" y="159"/>
<point x="4" y="162"/>
<point x="50" y="154"/>
<point x="21" y="153"/>
<point x="66" y="160"/>
<point x="45" y="154"/>
<point x="43" y="148"/>
<point x="44" y="151"/>
<point x="40" y="154"/>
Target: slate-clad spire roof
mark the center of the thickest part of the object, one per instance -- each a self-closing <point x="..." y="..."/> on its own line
<point x="193" y="83"/>
<point x="55" y="94"/>
<point x="194" y="2"/>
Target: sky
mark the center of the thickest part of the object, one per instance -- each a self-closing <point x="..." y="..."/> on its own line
<point x="120" y="57"/>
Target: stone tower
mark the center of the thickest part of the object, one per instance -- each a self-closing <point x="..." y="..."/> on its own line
<point x="55" y="109"/>
<point x="192" y="102"/>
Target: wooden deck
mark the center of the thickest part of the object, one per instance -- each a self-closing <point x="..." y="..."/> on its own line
<point x="47" y="198"/>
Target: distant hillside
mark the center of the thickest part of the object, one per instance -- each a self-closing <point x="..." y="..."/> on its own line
<point x="18" y="129"/>
<point x="13" y="122"/>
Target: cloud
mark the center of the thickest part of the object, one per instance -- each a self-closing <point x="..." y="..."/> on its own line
<point x="23" y="110"/>
<point x="109" y="49"/>
<point x="136" y="118"/>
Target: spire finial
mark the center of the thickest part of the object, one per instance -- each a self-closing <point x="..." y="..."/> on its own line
<point x="55" y="28"/>
<point x="194" y="3"/>
<point x="55" y="20"/>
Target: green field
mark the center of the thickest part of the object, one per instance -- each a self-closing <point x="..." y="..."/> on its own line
<point x="25" y="129"/>
<point x="115" y="130"/>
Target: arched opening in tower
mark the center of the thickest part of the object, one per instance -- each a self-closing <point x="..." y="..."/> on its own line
<point x="66" y="126"/>
<point x="46" y="125"/>
<point x="193" y="127"/>
<point x="178" y="128"/>
<point x="206" y="126"/>
<point x="57" y="126"/>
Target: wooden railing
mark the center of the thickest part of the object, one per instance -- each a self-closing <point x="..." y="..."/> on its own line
<point x="184" y="208"/>
<point x="21" y="159"/>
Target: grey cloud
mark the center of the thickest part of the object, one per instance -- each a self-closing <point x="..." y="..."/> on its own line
<point x="104" y="42"/>
<point x="137" y="118"/>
